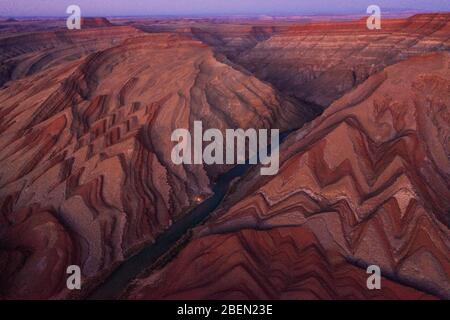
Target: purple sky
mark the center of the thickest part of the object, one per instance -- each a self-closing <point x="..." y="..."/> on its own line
<point x="205" y="7"/>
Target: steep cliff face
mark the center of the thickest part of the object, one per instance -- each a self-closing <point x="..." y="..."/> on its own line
<point x="319" y="62"/>
<point x="85" y="164"/>
<point x="366" y="183"/>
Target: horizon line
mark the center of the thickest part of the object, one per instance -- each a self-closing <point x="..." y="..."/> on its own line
<point x="252" y="14"/>
<point x="237" y="15"/>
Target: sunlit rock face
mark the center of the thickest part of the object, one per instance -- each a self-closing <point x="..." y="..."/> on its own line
<point x="321" y="61"/>
<point x="366" y="183"/>
<point x="86" y="118"/>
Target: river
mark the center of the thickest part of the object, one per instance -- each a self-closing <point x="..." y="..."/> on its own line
<point x="128" y="270"/>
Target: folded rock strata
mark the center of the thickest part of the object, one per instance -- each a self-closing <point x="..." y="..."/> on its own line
<point x="320" y="61"/>
<point x="86" y="176"/>
<point x="367" y="183"/>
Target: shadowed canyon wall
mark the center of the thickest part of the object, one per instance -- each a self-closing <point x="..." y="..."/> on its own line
<point x="318" y="62"/>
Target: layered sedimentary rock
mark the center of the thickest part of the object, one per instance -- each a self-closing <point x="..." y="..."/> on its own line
<point x="26" y="53"/>
<point x="98" y="22"/>
<point x="226" y="37"/>
<point x="86" y="175"/>
<point x="234" y="39"/>
<point x="321" y="61"/>
<point x="367" y="183"/>
<point x="317" y="62"/>
<point x="283" y="263"/>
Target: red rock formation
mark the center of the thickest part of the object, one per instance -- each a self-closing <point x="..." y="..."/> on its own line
<point x="27" y="53"/>
<point x="97" y="22"/>
<point x="311" y="61"/>
<point x="366" y="183"/>
<point x="282" y="263"/>
<point x="233" y="39"/>
<point x="86" y="144"/>
<point x="36" y="250"/>
<point x="86" y="176"/>
<point x="319" y="62"/>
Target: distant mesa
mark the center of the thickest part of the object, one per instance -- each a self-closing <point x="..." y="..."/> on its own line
<point x="95" y="22"/>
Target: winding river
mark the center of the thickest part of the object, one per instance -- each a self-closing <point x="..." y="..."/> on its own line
<point x="121" y="277"/>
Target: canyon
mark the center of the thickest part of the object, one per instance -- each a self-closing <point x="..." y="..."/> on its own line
<point x="86" y="176"/>
<point x="357" y="186"/>
<point x="86" y="146"/>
